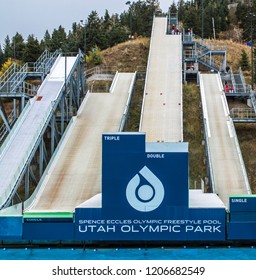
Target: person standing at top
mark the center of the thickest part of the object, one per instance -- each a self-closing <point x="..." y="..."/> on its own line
<point x="173" y="29"/>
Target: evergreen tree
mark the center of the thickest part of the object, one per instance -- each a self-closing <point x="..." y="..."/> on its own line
<point x="173" y="9"/>
<point x="244" y="62"/>
<point x="117" y="33"/>
<point x="59" y="39"/>
<point x="139" y="17"/>
<point x="46" y="42"/>
<point x="7" y="48"/>
<point x="106" y="21"/>
<point x="32" y="49"/>
<point x="95" y="33"/>
<point x="18" y="46"/>
<point x="1" y="56"/>
<point x="246" y="17"/>
<point x="199" y="16"/>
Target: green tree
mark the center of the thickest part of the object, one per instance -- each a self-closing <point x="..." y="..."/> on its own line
<point x="1" y="56"/>
<point x="32" y="49"/>
<point x="7" y="48"/>
<point x="46" y="42"/>
<point x="18" y="46"/>
<point x="244" y="61"/>
<point x="117" y="33"/>
<point x="139" y="17"/>
<point x="94" y="56"/>
<point x="173" y="9"/>
<point x="59" y="39"/>
<point x="199" y="14"/>
<point x="95" y="33"/>
<point x="246" y="16"/>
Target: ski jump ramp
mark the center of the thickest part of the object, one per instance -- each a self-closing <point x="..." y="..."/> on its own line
<point x="75" y="173"/>
<point x="162" y="117"/>
<point x="226" y="164"/>
<point x="23" y="138"/>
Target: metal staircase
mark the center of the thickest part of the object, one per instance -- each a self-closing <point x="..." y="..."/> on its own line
<point x="207" y="54"/>
<point x="14" y="86"/>
<point x="15" y="75"/>
<point x="253" y="100"/>
<point x="237" y="83"/>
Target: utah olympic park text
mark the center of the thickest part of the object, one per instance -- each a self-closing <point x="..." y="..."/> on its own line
<point x="149" y="226"/>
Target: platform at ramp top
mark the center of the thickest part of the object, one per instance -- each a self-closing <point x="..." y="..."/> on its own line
<point x="162" y="118"/>
<point x="228" y="170"/>
<point x="75" y="174"/>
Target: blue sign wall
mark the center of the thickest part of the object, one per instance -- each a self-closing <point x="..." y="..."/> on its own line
<point x="242" y="203"/>
<point x="11" y="228"/>
<point x="145" y="195"/>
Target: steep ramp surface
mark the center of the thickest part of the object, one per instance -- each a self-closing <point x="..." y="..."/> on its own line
<point x="229" y="176"/>
<point x="162" y="117"/>
<point x="22" y="140"/>
<point x="75" y="175"/>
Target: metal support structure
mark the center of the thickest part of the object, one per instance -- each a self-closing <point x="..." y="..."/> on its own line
<point x="198" y="51"/>
<point x="13" y="85"/>
<point x="62" y="108"/>
<point x="27" y="183"/>
<point x="41" y="158"/>
<point x="52" y="134"/>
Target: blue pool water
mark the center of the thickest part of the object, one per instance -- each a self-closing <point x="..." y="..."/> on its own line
<point x="129" y="254"/>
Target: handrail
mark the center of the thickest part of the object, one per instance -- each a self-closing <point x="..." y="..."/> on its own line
<point x="101" y="70"/>
<point x="253" y="100"/>
<point x="247" y="184"/>
<point x="206" y="130"/>
<point x="9" y="72"/>
<point x="242" y="113"/>
<point x="242" y="78"/>
<point x="233" y="80"/>
<point x="16" y="74"/>
<point x="127" y="106"/>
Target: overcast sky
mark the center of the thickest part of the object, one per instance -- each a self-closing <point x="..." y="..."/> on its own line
<point x="35" y="17"/>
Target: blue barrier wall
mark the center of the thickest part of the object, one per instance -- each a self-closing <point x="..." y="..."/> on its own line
<point x="241" y="231"/>
<point x="11" y="228"/>
<point x="48" y="231"/>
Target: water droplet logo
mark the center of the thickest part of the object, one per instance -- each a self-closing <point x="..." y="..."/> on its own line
<point x="146" y="197"/>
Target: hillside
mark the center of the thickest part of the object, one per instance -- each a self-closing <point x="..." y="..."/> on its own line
<point x="132" y="55"/>
<point x="128" y="56"/>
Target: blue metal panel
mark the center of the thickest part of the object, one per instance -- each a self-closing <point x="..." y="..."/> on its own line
<point x="48" y="231"/>
<point x="10" y="228"/>
<point x="125" y="160"/>
<point x="241" y="231"/>
<point x="242" y="216"/>
<point x="242" y="203"/>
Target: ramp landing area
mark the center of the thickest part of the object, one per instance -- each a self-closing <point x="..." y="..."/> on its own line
<point x="227" y="166"/>
<point x="75" y="175"/>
